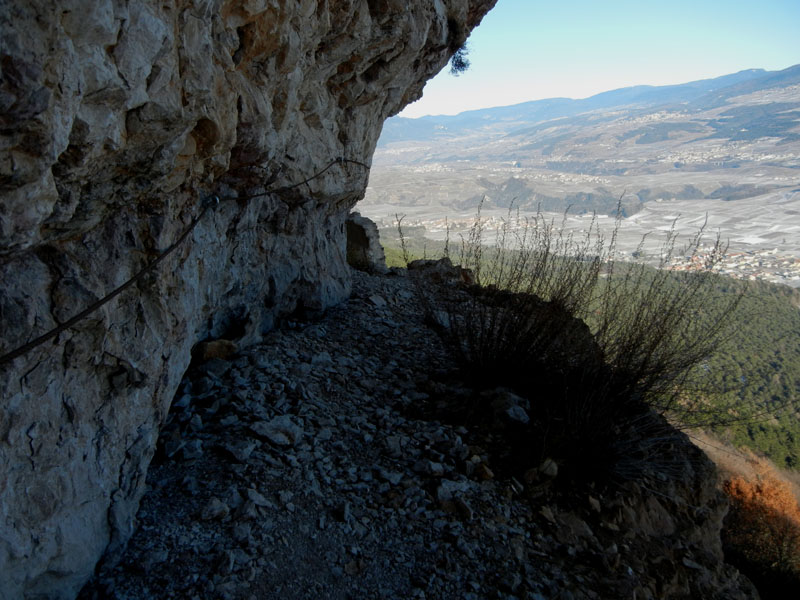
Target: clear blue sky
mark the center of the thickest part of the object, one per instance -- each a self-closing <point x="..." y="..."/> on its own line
<point x="527" y="49"/>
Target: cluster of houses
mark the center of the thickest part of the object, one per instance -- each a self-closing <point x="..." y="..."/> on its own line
<point x="765" y="265"/>
<point x="760" y="264"/>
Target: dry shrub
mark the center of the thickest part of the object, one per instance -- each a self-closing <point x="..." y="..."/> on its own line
<point x="762" y="531"/>
<point x="593" y="342"/>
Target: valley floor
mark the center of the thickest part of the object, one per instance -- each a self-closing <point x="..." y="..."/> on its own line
<point x="762" y="233"/>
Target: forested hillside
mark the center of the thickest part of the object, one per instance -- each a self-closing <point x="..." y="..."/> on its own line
<point x="759" y="365"/>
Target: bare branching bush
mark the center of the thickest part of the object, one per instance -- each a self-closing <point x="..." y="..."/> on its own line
<point x="595" y="343"/>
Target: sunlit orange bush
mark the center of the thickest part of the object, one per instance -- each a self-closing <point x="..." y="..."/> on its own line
<point x="763" y="525"/>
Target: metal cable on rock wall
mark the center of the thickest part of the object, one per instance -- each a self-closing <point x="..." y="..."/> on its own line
<point x="207" y="204"/>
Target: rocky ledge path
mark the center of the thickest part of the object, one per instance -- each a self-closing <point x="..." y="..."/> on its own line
<point x="301" y="468"/>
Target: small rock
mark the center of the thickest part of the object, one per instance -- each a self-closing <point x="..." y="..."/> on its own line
<point x="517" y="414"/>
<point x="241" y="450"/>
<point x="464" y="509"/>
<point x="395" y="443"/>
<point x="354" y="567"/>
<point x="183" y="402"/>
<point x="398" y="272"/>
<point x="190" y="484"/>
<point x="511" y="582"/>
<point x="242" y="557"/>
<point x="436" y="469"/>
<point x="322" y="359"/>
<point x="241" y="532"/>
<point x="301" y="371"/>
<point x="155" y="557"/>
<point x="220" y="349"/>
<point x="391" y="476"/>
<point x="572" y="528"/>
<point x="249" y="511"/>
<point x="610" y="526"/>
<point x="258" y="499"/>
<point x="196" y="423"/>
<point x="193" y="450"/>
<point x="281" y="430"/>
<point x="215" y="509"/>
<point x="509" y="406"/>
<point x="548" y="468"/>
<point x="440" y="318"/>
<point x="232" y="497"/>
<point x="229" y="420"/>
<point x="448" y="489"/>
<point x="547" y="513"/>
<point x="377" y="300"/>
<point x="688" y="562"/>
<point x="531" y="476"/>
<point x="203" y="386"/>
<point x="483" y="472"/>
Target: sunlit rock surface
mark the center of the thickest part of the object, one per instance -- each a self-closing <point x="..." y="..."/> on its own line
<point x="118" y="120"/>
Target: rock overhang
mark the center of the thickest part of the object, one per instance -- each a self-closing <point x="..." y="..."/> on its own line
<point x="117" y="122"/>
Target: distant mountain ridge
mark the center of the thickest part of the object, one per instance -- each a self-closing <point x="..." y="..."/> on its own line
<point x="731" y="142"/>
<point x="701" y="94"/>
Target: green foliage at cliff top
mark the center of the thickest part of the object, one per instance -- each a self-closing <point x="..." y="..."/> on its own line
<point x="759" y="367"/>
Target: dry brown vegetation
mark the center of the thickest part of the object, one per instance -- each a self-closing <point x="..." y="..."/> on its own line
<point x="733" y="461"/>
<point x="762" y="530"/>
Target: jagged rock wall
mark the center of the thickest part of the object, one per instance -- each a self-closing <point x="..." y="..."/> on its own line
<point x="118" y="118"/>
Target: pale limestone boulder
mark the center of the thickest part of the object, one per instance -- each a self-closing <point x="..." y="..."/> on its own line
<point x="118" y="118"/>
<point x="364" y="249"/>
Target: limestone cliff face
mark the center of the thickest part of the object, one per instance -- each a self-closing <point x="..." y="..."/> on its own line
<point x="118" y="119"/>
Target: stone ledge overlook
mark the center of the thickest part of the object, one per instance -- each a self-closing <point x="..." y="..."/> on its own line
<point x="317" y="465"/>
<point x="118" y="119"/>
<point x="295" y="457"/>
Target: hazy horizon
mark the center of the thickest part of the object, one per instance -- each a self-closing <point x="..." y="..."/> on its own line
<point x="672" y="83"/>
<point x="580" y="49"/>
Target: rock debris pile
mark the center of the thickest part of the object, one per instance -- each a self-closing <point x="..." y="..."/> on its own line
<point x="297" y="469"/>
